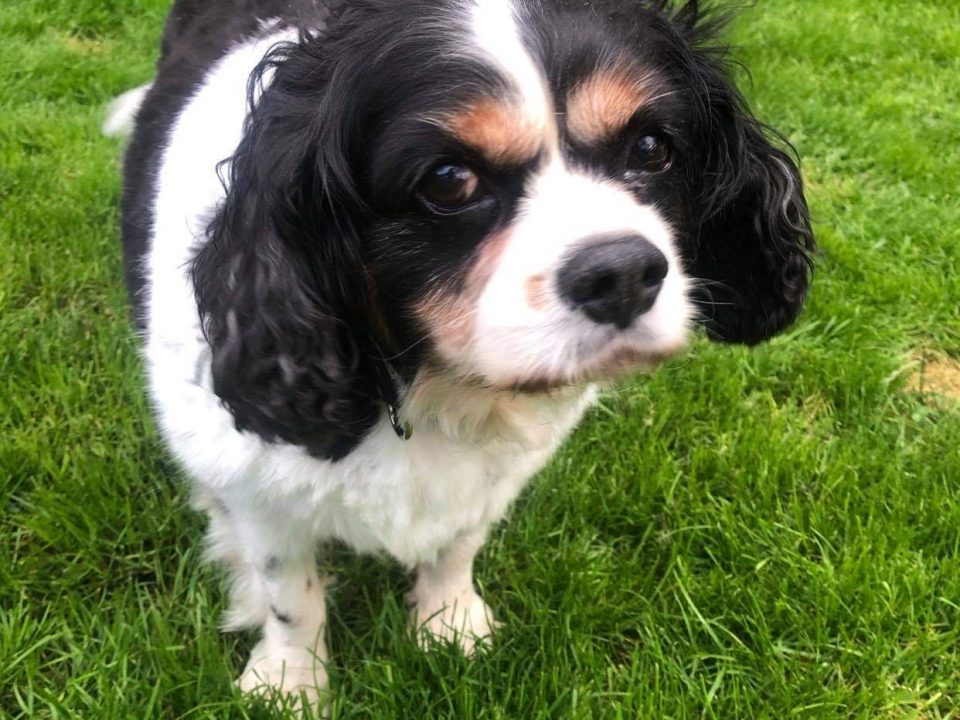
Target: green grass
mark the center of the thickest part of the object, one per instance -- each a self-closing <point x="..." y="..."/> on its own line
<point x="768" y="533"/>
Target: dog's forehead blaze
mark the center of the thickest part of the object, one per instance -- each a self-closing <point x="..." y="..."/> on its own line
<point x="601" y="105"/>
<point x="498" y="128"/>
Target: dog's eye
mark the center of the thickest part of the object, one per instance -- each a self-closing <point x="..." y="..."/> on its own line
<point x="450" y="188"/>
<point x="649" y="154"/>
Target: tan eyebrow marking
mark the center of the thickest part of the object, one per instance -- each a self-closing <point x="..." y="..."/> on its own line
<point x="498" y="129"/>
<point x="600" y="106"/>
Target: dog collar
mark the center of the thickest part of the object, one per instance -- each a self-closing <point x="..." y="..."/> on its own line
<point x="388" y="380"/>
<point x="402" y="429"/>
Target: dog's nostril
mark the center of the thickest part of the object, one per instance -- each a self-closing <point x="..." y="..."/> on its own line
<point x="602" y="286"/>
<point x="612" y="281"/>
<point x="655" y="272"/>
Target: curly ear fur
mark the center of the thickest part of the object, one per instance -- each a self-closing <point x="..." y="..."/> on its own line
<point x="749" y="231"/>
<point x="754" y="251"/>
<point x="753" y="247"/>
<point x="279" y="283"/>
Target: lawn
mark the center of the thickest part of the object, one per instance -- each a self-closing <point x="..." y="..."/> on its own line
<point x="768" y="533"/>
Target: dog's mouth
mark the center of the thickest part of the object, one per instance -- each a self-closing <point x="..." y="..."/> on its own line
<point x="607" y="366"/>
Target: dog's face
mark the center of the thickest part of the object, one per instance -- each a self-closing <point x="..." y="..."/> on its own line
<point x="525" y="194"/>
<point x="525" y="201"/>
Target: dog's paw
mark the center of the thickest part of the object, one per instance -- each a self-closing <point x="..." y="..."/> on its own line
<point x="296" y="673"/>
<point x="466" y="620"/>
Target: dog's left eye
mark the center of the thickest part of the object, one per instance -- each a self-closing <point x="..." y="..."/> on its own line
<point x="450" y="188"/>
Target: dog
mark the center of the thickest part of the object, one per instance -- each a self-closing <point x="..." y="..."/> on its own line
<point x="382" y="254"/>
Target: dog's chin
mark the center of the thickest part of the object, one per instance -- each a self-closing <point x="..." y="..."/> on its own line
<point x="607" y="366"/>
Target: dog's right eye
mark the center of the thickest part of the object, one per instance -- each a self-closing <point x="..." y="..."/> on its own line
<point x="650" y="154"/>
<point x="449" y="189"/>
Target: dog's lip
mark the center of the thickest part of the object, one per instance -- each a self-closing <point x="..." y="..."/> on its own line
<point x="608" y="366"/>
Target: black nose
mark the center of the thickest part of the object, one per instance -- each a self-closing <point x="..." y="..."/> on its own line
<point x="613" y="280"/>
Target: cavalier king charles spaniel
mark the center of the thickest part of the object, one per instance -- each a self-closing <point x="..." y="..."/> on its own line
<point x="382" y="252"/>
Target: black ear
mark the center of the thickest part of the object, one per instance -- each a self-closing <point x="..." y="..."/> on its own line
<point x="278" y="283"/>
<point x="751" y="253"/>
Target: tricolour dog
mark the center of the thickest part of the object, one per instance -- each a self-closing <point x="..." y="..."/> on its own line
<point x="381" y="252"/>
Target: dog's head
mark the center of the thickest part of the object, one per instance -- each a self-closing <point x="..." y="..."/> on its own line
<point x="524" y="194"/>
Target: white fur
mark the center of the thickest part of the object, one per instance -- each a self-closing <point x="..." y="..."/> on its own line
<point x="122" y="112"/>
<point x="497" y="34"/>
<point x="445" y="604"/>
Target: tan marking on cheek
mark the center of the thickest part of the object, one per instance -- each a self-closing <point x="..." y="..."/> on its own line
<point x="538" y="294"/>
<point x="448" y="315"/>
<point x="599" y="107"/>
<point x="498" y="129"/>
<point x="446" y="319"/>
<point x="485" y="264"/>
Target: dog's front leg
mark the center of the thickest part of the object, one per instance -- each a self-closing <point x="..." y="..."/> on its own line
<point x="275" y="586"/>
<point x="445" y="605"/>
